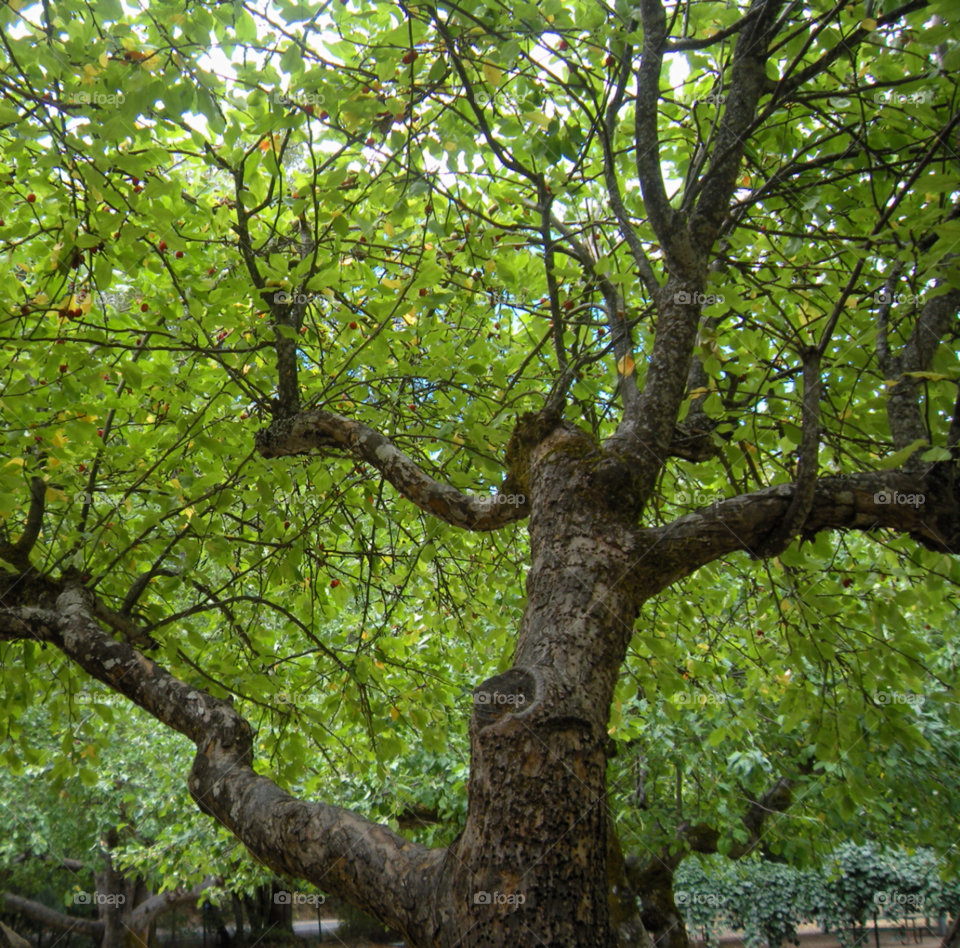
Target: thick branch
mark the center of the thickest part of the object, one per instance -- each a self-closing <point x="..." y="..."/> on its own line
<point x="329" y="433"/>
<point x="50" y="917"/>
<point x="866" y="502"/>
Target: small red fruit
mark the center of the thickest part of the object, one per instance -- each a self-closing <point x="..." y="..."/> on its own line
<point x="303" y="330"/>
<point x="135" y="180"/>
<point x="423" y="291"/>
<point x="371" y="142"/>
<point x="211" y="271"/>
<point x="847" y="583"/>
<point x="324" y="116"/>
<point x="334" y="583"/>
<point x="563" y="45"/>
<point x="138" y="189"/>
<point x="77" y="313"/>
<point x="81" y="468"/>
<point x="354" y="326"/>
<point x="37" y="438"/>
<point x="179" y="254"/>
<point x="412" y="407"/>
<point x="568" y="305"/>
<point x="286" y="524"/>
<point x="63" y="367"/>
<point x="2" y="222"/>
<point x="144" y="308"/>
<point x="244" y="416"/>
<point x="610" y="61"/>
<point x="162" y="246"/>
<point x="99" y="432"/>
<point x="601" y="332"/>
<point x="410" y="58"/>
<point x="24" y="310"/>
<point x="31" y="198"/>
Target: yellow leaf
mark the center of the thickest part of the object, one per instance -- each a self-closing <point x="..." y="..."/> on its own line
<point x="870" y="25"/>
<point x="188" y="513"/>
<point x="394" y="714"/>
<point x="697" y="392"/>
<point x="176" y="483"/>
<point x="17" y="461"/>
<point x="457" y="439"/>
<point x="410" y="318"/>
<point x="388" y="228"/>
<point x="53" y="495"/>
<point x="54" y="462"/>
<point x="392" y="284"/>
<point x="489" y="266"/>
<point x="58" y="440"/>
<point x="625" y="365"/>
<point x="492" y="74"/>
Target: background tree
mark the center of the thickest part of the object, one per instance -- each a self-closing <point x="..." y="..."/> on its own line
<point x="674" y="249"/>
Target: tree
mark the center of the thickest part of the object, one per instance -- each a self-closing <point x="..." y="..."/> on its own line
<point x="387" y="232"/>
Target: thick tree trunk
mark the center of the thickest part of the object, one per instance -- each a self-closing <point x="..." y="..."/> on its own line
<point x="532" y="865"/>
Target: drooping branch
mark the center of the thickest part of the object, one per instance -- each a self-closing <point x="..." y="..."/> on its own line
<point x="363" y="862"/>
<point x="18" y="554"/>
<point x="325" y="432"/>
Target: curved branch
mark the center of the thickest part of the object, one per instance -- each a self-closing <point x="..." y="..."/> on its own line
<point x="18" y="554"/>
<point x="157" y="905"/>
<point x="362" y="862"/>
<point x="809" y="466"/>
<point x="326" y="432"/>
